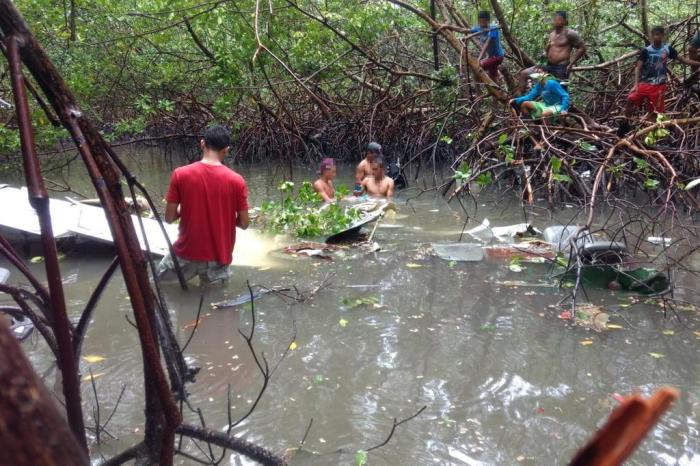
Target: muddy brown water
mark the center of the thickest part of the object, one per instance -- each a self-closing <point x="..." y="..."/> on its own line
<point x="504" y="381"/>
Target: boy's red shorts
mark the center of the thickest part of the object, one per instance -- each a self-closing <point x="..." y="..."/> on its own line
<point x="490" y="65"/>
<point x="652" y="93"/>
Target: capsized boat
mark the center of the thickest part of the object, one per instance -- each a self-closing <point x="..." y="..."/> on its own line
<point x="370" y="211"/>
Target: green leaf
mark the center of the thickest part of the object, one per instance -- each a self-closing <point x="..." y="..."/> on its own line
<point x="36" y="259"/>
<point x="484" y="179"/>
<point x="556" y="165"/>
<point x="656" y="355"/>
<point x="651" y="183"/>
<point x="360" y="458"/>
<point x="502" y="139"/>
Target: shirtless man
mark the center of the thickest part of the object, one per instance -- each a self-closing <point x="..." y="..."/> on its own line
<point x="378" y="184"/>
<point x="560" y="45"/>
<point x="324" y="184"/>
<point x="364" y="168"/>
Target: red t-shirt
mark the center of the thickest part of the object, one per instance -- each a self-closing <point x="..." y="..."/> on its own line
<point x="210" y="197"/>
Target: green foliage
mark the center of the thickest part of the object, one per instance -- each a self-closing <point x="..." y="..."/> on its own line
<point x="505" y="149"/>
<point x="304" y="214"/>
<point x="463" y="173"/>
<point x="642" y="167"/>
<point x="659" y="133"/>
<point x="556" y="171"/>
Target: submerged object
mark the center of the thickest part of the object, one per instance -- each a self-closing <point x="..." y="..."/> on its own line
<point x="70" y="218"/>
<point x="21" y="328"/>
<point x="643" y="280"/>
<point x="533" y="250"/>
<point x="561" y="236"/>
<point x="459" y="252"/>
<point x="245" y="298"/>
<point x="371" y="211"/>
<point x="485" y="232"/>
<point x="4" y="275"/>
<point x="240" y="300"/>
<point x="603" y="252"/>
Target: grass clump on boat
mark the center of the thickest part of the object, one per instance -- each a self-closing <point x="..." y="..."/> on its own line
<point x="304" y="214"/>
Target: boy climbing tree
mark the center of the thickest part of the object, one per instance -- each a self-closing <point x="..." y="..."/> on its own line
<point x="650" y="77"/>
<point x="490" y="42"/>
<point x="555" y="99"/>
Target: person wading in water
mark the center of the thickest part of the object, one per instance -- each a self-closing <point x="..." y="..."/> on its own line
<point x="378" y="185"/>
<point x="210" y="200"/>
<point x="324" y="184"/>
<point x="364" y="168"/>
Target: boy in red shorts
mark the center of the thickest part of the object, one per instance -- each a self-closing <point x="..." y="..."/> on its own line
<point x="490" y="43"/>
<point x="650" y="76"/>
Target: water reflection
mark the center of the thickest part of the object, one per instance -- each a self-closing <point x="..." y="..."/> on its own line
<point x="504" y="380"/>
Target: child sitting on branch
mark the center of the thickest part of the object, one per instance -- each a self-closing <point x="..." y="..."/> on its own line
<point x="554" y="98"/>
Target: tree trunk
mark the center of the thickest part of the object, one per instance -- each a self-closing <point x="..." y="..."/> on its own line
<point x="32" y="430"/>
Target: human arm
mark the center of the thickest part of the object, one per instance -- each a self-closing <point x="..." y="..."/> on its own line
<point x="243" y="219"/>
<point x="637" y="73"/>
<point x="172" y="212"/>
<point x="579" y="44"/>
<point x="484" y="48"/>
<point x="390" y="189"/>
<point x="532" y="95"/>
<point x="565" y="100"/>
<point x="172" y="199"/>
<point x="360" y="172"/>
<point x="318" y="187"/>
<point x="673" y="55"/>
<point x="241" y="204"/>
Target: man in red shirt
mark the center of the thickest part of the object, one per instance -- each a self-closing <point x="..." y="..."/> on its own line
<point x="210" y="200"/>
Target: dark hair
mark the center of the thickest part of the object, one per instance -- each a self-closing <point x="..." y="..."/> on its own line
<point x="217" y="138"/>
<point x="374" y="148"/>
<point x="658" y="30"/>
<point x="484" y="15"/>
<point x="563" y="15"/>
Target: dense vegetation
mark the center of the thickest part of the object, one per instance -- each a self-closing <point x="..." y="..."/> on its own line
<point x="305" y="75"/>
<point x="301" y="78"/>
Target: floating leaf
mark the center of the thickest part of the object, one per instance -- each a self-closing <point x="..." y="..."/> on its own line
<point x="697" y="334"/>
<point x="293" y="345"/>
<point x="93" y="358"/>
<point x="360" y="458"/>
<point x="36" y="259"/>
<point x="615" y="326"/>
<point x="411" y="265"/>
<point x="668" y="332"/>
<point x="343" y="323"/>
<point x="656" y="355"/>
<point x="89" y="377"/>
<point x="586" y="342"/>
